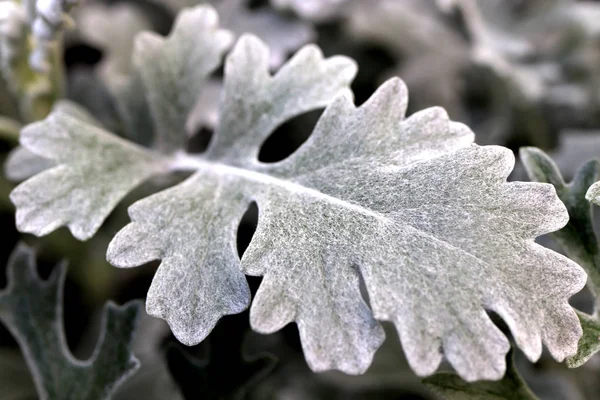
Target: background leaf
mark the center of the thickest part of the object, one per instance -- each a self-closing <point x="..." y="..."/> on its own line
<point x="32" y="311"/>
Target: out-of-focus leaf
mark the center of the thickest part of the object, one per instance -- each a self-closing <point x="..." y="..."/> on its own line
<point x="315" y="10"/>
<point x="112" y="29"/>
<point x="22" y="164"/>
<point x="451" y="387"/>
<point x="32" y="311"/>
<point x="15" y="379"/>
<point x="226" y="371"/>
<point x="283" y="35"/>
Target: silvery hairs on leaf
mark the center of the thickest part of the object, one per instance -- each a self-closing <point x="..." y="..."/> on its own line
<point x="411" y="204"/>
<point x="32" y="311"/>
<point x="577" y="238"/>
<point x="189" y="297"/>
<point x="168" y="75"/>
<point x="425" y="216"/>
<point x="96" y="169"/>
<point x="22" y="164"/>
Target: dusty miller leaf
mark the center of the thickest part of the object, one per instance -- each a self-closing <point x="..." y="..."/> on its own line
<point x="426" y="216"/>
<point x="451" y="387"/>
<point x="178" y="235"/>
<point x="168" y="75"/>
<point x="95" y="170"/>
<point x="577" y="238"/>
<point x="411" y="204"/>
<point x="22" y="164"/>
<point x="32" y="311"/>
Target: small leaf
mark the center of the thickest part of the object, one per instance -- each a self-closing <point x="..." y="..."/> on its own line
<point x="169" y="74"/>
<point x="95" y="171"/>
<point x="32" y="311"/>
<point x="577" y="238"/>
<point x="589" y="344"/>
<point x="451" y="387"/>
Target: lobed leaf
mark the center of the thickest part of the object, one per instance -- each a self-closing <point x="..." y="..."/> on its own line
<point x="425" y="216"/>
<point x="32" y="311"/>
<point x="577" y="238"/>
<point x="95" y="170"/>
<point x="410" y="205"/>
<point x="169" y="74"/>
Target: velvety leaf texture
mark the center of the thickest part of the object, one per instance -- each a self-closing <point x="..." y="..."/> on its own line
<point x="168" y="76"/>
<point x="425" y="216"/>
<point x="86" y="185"/>
<point x="577" y="238"/>
<point x="32" y="311"/>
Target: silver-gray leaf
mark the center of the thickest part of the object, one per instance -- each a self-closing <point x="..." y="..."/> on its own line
<point x="411" y="204"/>
<point x="170" y="72"/>
<point x="95" y="171"/>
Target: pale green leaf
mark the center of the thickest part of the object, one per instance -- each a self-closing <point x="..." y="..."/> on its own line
<point x="32" y="311"/>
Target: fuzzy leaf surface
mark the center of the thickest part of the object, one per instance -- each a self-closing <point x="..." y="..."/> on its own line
<point x="577" y="238"/>
<point x="200" y="278"/>
<point x="411" y="204"/>
<point x="32" y="311"/>
<point x="22" y="164"/>
<point x="168" y="75"/>
<point x="95" y="170"/>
